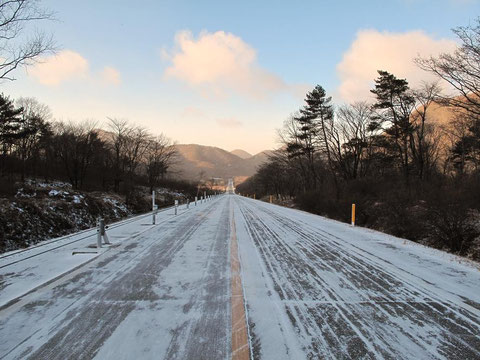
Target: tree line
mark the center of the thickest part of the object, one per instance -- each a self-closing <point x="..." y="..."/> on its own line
<point x="408" y="173"/>
<point x="117" y="158"/>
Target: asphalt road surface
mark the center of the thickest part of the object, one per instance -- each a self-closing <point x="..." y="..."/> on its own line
<point x="239" y="278"/>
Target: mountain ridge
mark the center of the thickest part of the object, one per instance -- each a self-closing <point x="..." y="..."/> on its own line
<point x="241" y="153"/>
<point x="197" y="162"/>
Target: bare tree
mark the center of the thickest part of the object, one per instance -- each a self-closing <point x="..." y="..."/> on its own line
<point x="129" y="145"/>
<point x="34" y="124"/>
<point x="289" y="136"/>
<point x="424" y="139"/>
<point x="135" y="148"/>
<point x="460" y="69"/>
<point x="16" y="47"/>
<point x="353" y="139"/>
<point x="160" y="156"/>
<point x="284" y="177"/>
<point x="76" y="146"/>
<point x="32" y="107"/>
<point x="119" y="131"/>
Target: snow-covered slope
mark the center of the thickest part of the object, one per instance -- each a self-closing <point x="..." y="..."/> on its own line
<point x="42" y="210"/>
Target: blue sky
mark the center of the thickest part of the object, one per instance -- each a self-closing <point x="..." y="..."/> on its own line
<point x="227" y="73"/>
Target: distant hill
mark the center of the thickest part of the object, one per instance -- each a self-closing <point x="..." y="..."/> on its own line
<point x="257" y="160"/>
<point x="241" y="153"/>
<point x="198" y="161"/>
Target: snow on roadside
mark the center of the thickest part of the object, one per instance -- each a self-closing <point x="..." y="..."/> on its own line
<point x="40" y="211"/>
<point x="19" y="278"/>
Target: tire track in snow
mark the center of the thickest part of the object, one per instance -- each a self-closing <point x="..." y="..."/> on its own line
<point x="85" y="328"/>
<point x="334" y="256"/>
<point x="298" y="316"/>
<point x="207" y="335"/>
<point x="433" y="305"/>
<point x="301" y="315"/>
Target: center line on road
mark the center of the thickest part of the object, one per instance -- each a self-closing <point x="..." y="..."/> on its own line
<point x="240" y="346"/>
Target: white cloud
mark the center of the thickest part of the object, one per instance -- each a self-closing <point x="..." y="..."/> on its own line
<point x="111" y="75"/>
<point x="219" y="63"/>
<point x="55" y="69"/>
<point x="69" y="65"/>
<point x="394" y="52"/>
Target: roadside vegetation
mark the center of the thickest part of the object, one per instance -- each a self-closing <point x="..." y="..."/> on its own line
<point x="56" y="177"/>
<point x="410" y="173"/>
<point x="122" y="163"/>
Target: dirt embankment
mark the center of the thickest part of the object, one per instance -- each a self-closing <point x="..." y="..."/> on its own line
<point x="40" y="211"/>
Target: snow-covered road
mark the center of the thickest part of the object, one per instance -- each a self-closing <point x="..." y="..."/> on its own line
<point x="312" y="288"/>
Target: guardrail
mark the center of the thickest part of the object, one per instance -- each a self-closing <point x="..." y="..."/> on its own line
<point x="93" y="233"/>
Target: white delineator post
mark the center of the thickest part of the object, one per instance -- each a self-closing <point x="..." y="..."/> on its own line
<point x="196" y="199"/>
<point x="104" y="233"/>
<point x="153" y="207"/>
<point x="176" y="206"/>
<point x="101" y="232"/>
<point x="188" y="203"/>
<point x="99" y="235"/>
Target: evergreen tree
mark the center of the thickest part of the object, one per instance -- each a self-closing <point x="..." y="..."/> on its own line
<point x="394" y="104"/>
<point x="310" y="136"/>
<point x="10" y="124"/>
<point x="465" y="154"/>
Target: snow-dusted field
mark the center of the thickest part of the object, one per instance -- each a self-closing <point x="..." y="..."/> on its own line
<point x="313" y="288"/>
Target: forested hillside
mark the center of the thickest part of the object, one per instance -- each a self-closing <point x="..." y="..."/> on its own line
<point x="57" y="177"/>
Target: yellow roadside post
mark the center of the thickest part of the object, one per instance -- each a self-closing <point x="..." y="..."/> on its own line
<point x="353" y="214"/>
<point x="271" y="199"/>
<point x="253" y="196"/>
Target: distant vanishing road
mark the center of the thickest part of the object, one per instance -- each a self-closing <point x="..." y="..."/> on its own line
<point x="239" y="278"/>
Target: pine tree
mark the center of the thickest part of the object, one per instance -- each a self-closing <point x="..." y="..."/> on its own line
<point x="394" y="105"/>
<point x="10" y="124"/>
<point x="310" y="136"/>
<point x="465" y="154"/>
